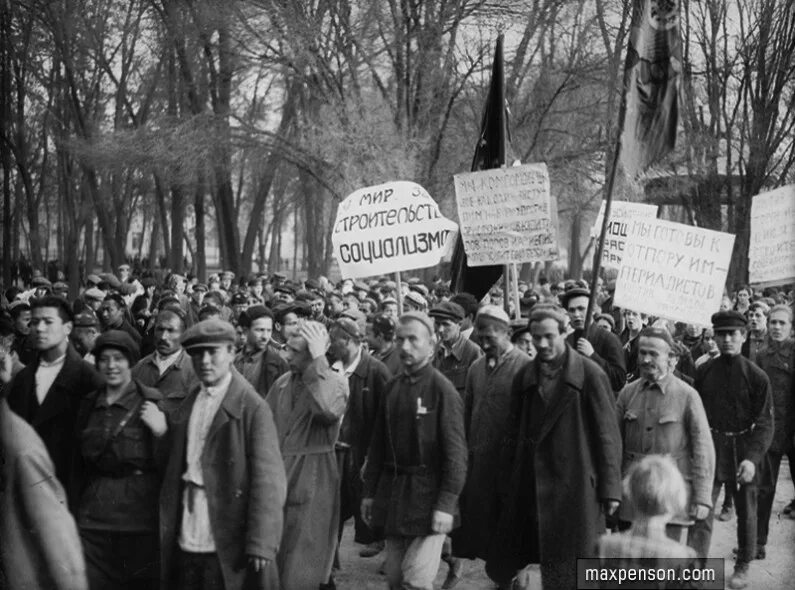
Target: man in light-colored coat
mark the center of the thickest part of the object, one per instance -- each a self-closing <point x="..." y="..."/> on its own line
<point x="223" y="494"/>
<point x="661" y="414"/>
<point x="39" y="544"/>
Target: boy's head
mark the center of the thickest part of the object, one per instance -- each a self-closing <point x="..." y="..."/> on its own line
<point x="655" y="487"/>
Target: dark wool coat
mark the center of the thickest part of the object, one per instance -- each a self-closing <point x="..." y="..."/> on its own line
<point x="608" y="354"/>
<point x="55" y="420"/>
<point x="244" y="481"/>
<point x="418" y="455"/>
<point x="559" y="464"/>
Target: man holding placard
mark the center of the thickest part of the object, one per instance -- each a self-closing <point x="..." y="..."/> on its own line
<point x="601" y="346"/>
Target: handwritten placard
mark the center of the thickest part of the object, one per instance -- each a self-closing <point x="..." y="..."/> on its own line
<point x="621" y="214"/>
<point x="505" y="215"/>
<point x="771" y="252"/>
<point x="673" y="271"/>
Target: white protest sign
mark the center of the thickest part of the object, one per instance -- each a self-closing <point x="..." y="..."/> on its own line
<point x="771" y="252"/>
<point x="621" y="213"/>
<point x="672" y="270"/>
<point x="389" y="228"/>
<point x="505" y="215"/>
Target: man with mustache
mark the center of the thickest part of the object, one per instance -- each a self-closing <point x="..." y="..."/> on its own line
<point x="660" y="414"/>
<point x="258" y="362"/>
<point x="168" y="368"/>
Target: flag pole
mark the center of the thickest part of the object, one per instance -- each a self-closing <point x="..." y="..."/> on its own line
<point x="399" y="293"/>
<point x="611" y="179"/>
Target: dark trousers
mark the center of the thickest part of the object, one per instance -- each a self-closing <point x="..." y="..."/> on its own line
<point x="745" y="500"/>
<point x="768" y="478"/>
<point x="199" y="571"/>
<point x="127" y="561"/>
<point x="351" y="500"/>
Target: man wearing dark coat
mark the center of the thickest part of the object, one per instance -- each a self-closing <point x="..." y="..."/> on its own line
<point x="486" y="405"/>
<point x="224" y="488"/>
<point x="416" y="465"/>
<point x="738" y="400"/>
<point x="48" y="392"/>
<point x="561" y="465"/>
<point x="367" y="379"/>
<point x="602" y="347"/>
<point x="258" y="362"/>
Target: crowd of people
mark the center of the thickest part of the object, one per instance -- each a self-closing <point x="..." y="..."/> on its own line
<point x="165" y="433"/>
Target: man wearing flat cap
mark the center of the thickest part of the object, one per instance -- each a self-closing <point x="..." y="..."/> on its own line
<point x="455" y="353"/>
<point x="84" y="334"/>
<point x="308" y="404"/>
<point x="661" y="414"/>
<point x="367" y="378"/>
<point x="224" y="488"/>
<point x="486" y="404"/>
<point x="602" y="347"/>
<point x="416" y="464"/>
<point x="737" y="397"/>
<point x="560" y="471"/>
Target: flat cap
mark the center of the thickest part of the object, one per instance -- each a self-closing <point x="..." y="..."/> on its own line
<point x="285" y="288"/>
<point x="494" y="312"/>
<point x="728" y="320"/>
<point x="18" y="306"/>
<point x="208" y="333"/>
<point x="111" y="279"/>
<point x="348" y="326"/>
<point x="86" y="319"/>
<point x="41" y="282"/>
<point x="118" y="340"/>
<point x="60" y="286"/>
<point x="416" y="299"/>
<point x="357" y="316"/>
<point x="361" y="286"/>
<point x="94" y="293"/>
<point x="566" y="296"/>
<point x="383" y="324"/>
<point x="420" y="288"/>
<point x="227" y="274"/>
<point x="418" y="316"/>
<point x="200" y="287"/>
<point x="447" y="310"/>
<point x="312" y="284"/>
<point x="127" y="288"/>
<point x="386" y="300"/>
<point x="278" y="276"/>
<point x="659" y="333"/>
<point x="414" y="281"/>
<point x="93" y="279"/>
<point x="239" y="298"/>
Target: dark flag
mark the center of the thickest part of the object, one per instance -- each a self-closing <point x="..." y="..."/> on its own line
<point x="489" y="153"/>
<point x="651" y="83"/>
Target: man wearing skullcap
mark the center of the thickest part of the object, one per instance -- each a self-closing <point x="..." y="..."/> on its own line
<point x="661" y="414"/>
<point x="47" y="392"/>
<point x="308" y="404"/>
<point x="486" y="404"/>
<point x="561" y="468"/>
<point x="224" y="487"/>
<point x="454" y="353"/>
<point x="416" y="464"/>
<point x="737" y="397"/>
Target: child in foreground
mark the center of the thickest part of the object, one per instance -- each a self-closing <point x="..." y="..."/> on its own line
<point x="657" y="491"/>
